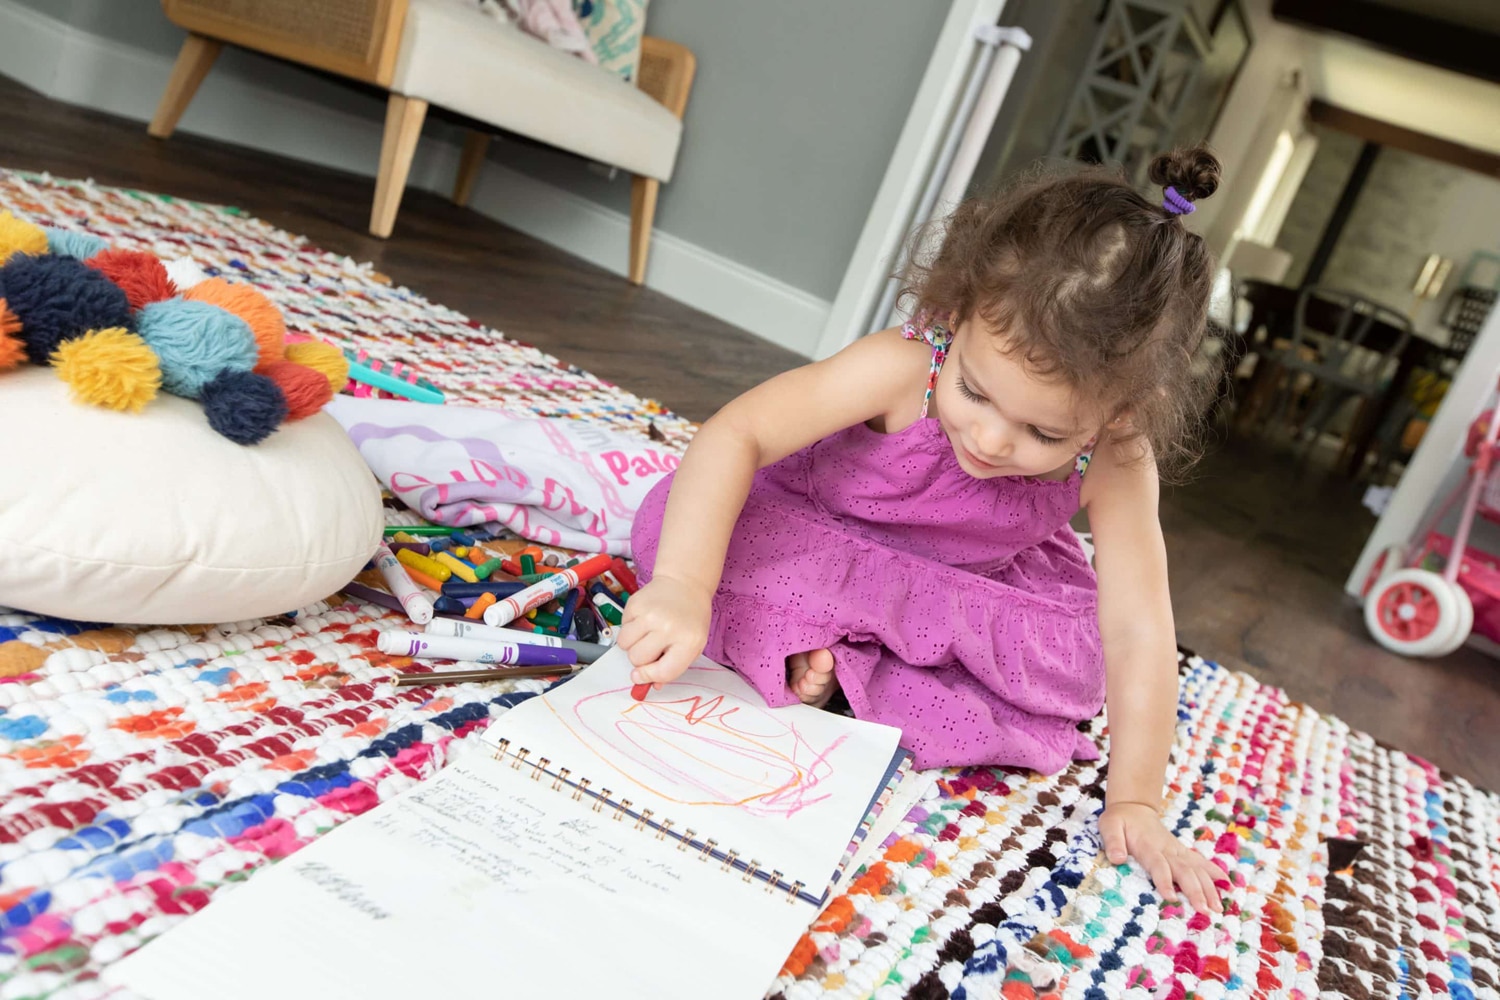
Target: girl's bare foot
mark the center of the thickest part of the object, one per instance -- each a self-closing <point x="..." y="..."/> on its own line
<point x="811" y="677"/>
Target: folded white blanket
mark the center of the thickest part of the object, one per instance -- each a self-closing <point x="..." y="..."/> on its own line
<point x="558" y="482"/>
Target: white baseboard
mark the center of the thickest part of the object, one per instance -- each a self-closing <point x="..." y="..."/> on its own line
<point x="72" y="65"/>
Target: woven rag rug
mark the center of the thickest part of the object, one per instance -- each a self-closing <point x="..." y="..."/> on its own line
<point x="142" y="771"/>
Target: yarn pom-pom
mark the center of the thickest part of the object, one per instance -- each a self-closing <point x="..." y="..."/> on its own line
<point x="139" y="274"/>
<point x="195" y="342"/>
<point x="72" y="243"/>
<point x="321" y="357"/>
<point x="185" y="272"/>
<point x="306" y="390"/>
<point x="110" y="368"/>
<point x="20" y="236"/>
<point x="12" y="347"/>
<point x="56" y="298"/>
<point x="250" y="305"/>
<point x="243" y="406"/>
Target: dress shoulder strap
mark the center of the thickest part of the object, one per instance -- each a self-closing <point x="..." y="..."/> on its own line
<point x="1081" y="463"/>
<point x="925" y="328"/>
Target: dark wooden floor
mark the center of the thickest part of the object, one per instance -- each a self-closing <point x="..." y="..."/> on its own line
<point x="1259" y="547"/>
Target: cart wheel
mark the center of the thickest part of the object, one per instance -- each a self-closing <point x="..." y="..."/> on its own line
<point x="1389" y="560"/>
<point x="1465" y="620"/>
<point x="1412" y="612"/>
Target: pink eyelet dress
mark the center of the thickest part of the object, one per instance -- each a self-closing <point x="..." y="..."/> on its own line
<point x="961" y="610"/>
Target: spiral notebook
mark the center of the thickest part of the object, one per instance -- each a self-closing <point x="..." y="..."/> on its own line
<point x="676" y="847"/>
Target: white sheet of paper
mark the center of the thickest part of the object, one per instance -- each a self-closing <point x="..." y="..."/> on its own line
<point x="480" y="881"/>
<point x="783" y="787"/>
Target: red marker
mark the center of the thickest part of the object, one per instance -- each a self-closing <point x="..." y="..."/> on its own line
<point x="545" y="590"/>
<point x="639" y="691"/>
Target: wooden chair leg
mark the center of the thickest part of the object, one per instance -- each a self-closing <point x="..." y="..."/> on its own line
<point x="194" y="60"/>
<point x="476" y="143"/>
<point x="643" y="192"/>
<point x="403" y="127"/>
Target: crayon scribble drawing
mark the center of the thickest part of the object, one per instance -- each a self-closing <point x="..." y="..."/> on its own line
<point x="693" y="743"/>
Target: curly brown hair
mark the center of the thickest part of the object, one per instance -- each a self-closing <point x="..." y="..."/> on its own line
<point x="1094" y="285"/>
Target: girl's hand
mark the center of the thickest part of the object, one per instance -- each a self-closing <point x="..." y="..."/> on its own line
<point x="1134" y="829"/>
<point x="665" y="628"/>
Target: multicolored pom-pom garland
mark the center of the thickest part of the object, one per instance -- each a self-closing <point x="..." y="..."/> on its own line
<point x="117" y="329"/>
<point x="143" y="771"/>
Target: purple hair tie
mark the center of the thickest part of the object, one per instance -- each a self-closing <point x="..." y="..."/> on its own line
<point x="1176" y="203"/>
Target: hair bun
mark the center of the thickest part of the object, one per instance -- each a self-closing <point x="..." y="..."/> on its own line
<point x="1192" y="170"/>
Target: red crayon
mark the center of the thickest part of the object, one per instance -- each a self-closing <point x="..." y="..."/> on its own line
<point x="622" y="573"/>
<point x="639" y="691"/>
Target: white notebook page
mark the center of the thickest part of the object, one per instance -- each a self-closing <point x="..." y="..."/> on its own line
<point x="782" y="787"/>
<point x="480" y="881"/>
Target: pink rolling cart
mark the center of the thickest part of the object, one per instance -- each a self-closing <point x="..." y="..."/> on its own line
<point x="1425" y="599"/>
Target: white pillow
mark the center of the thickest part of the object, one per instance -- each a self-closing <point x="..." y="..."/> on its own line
<point x="153" y="518"/>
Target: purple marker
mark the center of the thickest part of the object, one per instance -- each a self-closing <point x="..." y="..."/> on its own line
<point x="445" y="647"/>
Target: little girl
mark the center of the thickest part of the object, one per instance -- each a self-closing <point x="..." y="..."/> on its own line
<point x="893" y="521"/>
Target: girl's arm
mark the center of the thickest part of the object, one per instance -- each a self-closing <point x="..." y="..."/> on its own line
<point x="1135" y="621"/>
<point x="877" y="376"/>
<point x="1140" y="665"/>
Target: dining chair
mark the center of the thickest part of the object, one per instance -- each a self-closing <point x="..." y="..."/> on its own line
<point x="1327" y="347"/>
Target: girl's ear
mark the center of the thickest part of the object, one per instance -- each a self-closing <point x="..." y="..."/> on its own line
<point x="1121" y="420"/>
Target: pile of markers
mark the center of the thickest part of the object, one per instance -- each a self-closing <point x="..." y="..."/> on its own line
<point x="528" y="610"/>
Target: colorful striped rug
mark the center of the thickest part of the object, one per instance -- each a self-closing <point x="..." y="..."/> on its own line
<point x="144" y="770"/>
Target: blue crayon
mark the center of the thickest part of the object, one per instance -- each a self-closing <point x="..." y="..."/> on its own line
<point x="449" y="605"/>
<point x="565" y="616"/>
<point x="462" y="538"/>
<point x="500" y="588"/>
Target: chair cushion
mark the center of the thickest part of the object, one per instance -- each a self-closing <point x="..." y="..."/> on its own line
<point x="154" y="518"/>
<point x="454" y="56"/>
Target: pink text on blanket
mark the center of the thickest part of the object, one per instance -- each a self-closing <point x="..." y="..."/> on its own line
<point x="651" y="463"/>
<point x="481" y="471"/>
<point x="558" y="496"/>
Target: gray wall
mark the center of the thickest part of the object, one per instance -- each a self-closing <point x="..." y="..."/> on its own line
<point x="1412" y="206"/>
<point x="793" y="117"/>
<point x="128" y="21"/>
<point x="1409" y="207"/>
<point x="796" y="109"/>
<point x="1316" y="198"/>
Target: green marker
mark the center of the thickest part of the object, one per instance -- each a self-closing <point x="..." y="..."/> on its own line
<point x="534" y="577"/>
<point x="609" y="609"/>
